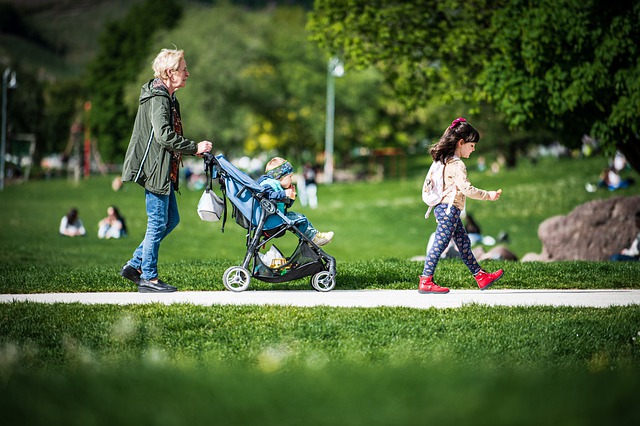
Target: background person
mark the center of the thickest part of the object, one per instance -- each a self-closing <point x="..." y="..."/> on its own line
<point x="112" y="226"/>
<point x="311" y="186"/>
<point x="153" y="159"/>
<point x="71" y="224"/>
<point x="633" y="252"/>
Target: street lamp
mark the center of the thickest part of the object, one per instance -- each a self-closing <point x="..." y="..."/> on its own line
<point x="334" y="69"/>
<point x="6" y="84"/>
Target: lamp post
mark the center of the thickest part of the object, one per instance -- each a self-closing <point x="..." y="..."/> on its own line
<point x="334" y="69"/>
<point x="6" y="84"/>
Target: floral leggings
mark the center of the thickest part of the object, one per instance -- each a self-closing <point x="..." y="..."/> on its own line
<point x="449" y="225"/>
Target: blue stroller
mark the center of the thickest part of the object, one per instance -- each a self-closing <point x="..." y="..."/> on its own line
<point x="251" y="209"/>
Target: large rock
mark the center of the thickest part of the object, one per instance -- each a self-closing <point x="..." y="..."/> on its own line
<point x="592" y="231"/>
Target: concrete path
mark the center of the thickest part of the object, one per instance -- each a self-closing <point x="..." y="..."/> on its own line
<point x="351" y="298"/>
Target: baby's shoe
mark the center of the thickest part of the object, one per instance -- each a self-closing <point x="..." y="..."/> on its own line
<point x="323" y="238"/>
<point x="485" y="279"/>
<point x="427" y="286"/>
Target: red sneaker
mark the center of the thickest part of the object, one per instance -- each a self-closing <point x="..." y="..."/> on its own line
<point x="485" y="279"/>
<point x="427" y="286"/>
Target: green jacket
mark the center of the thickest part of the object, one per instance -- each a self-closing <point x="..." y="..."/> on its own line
<point x="148" y="156"/>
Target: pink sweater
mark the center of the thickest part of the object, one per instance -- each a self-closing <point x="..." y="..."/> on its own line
<point x="455" y="173"/>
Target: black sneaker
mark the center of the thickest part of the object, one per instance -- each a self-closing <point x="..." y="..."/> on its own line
<point x="130" y="273"/>
<point x="146" y="286"/>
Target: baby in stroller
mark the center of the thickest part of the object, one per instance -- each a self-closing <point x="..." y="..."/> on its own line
<point x="279" y="188"/>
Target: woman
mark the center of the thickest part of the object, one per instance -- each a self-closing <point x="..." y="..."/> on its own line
<point x="71" y="224"/>
<point x="153" y="160"/>
<point x="112" y="226"/>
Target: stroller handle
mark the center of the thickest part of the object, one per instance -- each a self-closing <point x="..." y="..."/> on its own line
<point x="208" y="157"/>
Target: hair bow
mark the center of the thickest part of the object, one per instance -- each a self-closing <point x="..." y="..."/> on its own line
<point x="458" y="120"/>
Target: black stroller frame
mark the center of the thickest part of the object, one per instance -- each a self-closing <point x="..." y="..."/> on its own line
<point x="251" y="209"/>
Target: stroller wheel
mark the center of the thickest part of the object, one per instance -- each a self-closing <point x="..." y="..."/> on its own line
<point x="323" y="281"/>
<point x="236" y="279"/>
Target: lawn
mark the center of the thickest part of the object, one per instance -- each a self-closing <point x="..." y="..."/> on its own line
<point x="181" y="364"/>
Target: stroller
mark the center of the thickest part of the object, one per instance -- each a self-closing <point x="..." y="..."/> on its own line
<point x="263" y="221"/>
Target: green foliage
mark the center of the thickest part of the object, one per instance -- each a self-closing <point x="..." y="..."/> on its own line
<point x="258" y="86"/>
<point x="425" y="48"/>
<point x="123" y="46"/>
<point x="568" y="66"/>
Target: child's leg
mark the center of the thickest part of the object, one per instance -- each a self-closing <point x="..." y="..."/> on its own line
<point x="444" y="231"/>
<point x="463" y="243"/>
<point x="303" y="224"/>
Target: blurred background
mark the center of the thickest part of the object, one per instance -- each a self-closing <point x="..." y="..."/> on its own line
<point x="352" y="86"/>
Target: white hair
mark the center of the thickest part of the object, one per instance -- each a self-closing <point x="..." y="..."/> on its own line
<point x="167" y="59"/>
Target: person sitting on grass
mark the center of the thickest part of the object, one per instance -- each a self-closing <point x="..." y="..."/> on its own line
<point x="633" y="252"/>
<point x="278" y="182"/>
<point x="112" y="226"/>
<point x="71" y="225"/>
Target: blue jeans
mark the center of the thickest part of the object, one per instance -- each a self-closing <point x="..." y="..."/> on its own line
<point x="162" y="218"/>
<point x="449" y="225"/>
<point x="623" y="258"/>
<point x="302" y="223"/>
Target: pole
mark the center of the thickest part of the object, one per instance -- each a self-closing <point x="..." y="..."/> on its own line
<point x="87" y="141"/>
<point x="3" y="145"/>
<point x="6" y="84"/>
<point x="328" y="135"/>
<point x="334" y="69"/>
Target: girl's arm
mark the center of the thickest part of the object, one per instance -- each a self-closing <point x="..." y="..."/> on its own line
<point x="63" y="225"/>
<point x="459" y="176"/>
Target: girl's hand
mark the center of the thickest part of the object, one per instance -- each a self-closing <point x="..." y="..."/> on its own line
<point x="494" y="195"/>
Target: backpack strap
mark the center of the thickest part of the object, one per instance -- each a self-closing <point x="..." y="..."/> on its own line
<point x="452" y="189"/>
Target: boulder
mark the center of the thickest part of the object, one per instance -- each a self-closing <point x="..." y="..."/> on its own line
<point x="592" y="231"/>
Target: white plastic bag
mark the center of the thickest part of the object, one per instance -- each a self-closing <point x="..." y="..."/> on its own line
<point x="210" y="206"/>
<point x="273" y="257"/>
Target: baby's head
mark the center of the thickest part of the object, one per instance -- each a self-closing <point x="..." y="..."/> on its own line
<point x="280" y="169"/>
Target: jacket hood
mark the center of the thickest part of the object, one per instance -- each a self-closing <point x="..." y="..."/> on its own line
<point x="153" y="88"/>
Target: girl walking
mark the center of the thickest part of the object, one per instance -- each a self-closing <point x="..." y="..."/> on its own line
<point x="458" y="141"/>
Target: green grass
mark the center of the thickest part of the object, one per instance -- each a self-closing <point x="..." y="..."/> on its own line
<point x="340" y="395"/>
<point x="240" y="365"/>
<point x="244" y="365"/>
<point x="379" y="228"/>
<point x="371" y="221"/>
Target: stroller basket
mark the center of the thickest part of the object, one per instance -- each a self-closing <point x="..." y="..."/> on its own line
<point x="302" y="263"/>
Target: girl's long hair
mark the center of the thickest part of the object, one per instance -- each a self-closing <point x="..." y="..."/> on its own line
<point x="445" y="148"/>
<point x="72" y="216"/>
<point x="120" y="218"/>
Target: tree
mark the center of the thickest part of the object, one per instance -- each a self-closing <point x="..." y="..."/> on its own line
<point x="568" y="66"/>
<point x="123" y="46"/>
<point x="572" y="65"/>
<point x="258" y="85"/>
